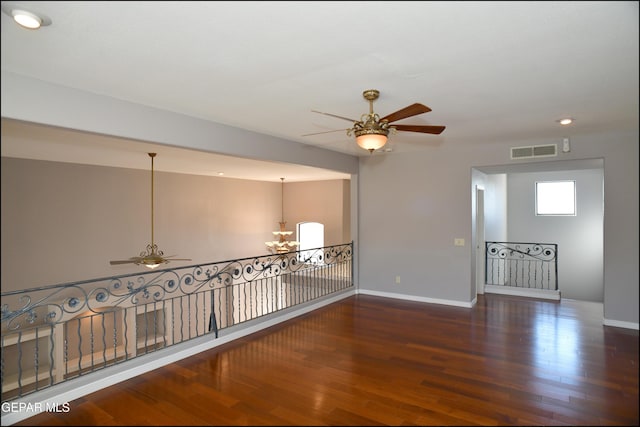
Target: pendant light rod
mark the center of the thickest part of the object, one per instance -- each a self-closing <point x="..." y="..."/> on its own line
<point x="152" y="155"/>
<point x="282" y="199"/>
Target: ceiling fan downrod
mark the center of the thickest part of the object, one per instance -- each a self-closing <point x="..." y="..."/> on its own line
<point x="370" y="126"/>
<point x="152" y="155"/>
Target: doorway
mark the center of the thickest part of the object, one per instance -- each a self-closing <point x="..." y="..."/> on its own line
<point x="505" y="211"/>
<point x="480" y="241"/>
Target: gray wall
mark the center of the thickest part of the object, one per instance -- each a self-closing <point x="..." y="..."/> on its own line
<point x="495" y="206"/>
<point x="64" y="222"/>
<point x="408" y="207"/>
<point x="413" y="205"/>
<point x="320" y="201"/>
<point x="417" y="203"/>
<point x="579" y="238"/>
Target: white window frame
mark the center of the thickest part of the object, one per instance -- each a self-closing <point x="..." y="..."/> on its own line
<point x="558" y="201"/>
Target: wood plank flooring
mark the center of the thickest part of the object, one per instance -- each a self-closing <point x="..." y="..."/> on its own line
<point x="369" y="360"/>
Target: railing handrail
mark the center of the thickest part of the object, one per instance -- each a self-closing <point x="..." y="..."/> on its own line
<point x="524" y="243"/>
<point x="154" y="271"/>
<point x="507" y="246"/>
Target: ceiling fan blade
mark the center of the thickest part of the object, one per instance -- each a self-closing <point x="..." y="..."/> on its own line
<point x="419" y="128"/>
<point x="329" y="131"/>
<point x="171" y="258"/>
<point x="128" y="261"/>
<point x="411" y="110"/>
<point x="337" y="117"/>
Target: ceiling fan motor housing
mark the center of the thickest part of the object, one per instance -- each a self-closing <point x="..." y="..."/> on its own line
<point x="371" y="125"/>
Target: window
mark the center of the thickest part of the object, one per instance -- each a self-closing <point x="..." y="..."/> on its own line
<point x="556" y="198"/>
<point x="311" y="238"/>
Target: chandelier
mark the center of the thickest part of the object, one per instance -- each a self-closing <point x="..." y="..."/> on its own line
<point x="282" y="245"/>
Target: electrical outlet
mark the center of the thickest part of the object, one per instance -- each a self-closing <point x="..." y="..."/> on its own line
<point x="458" y="241"/>
<point x="397" y="280"/>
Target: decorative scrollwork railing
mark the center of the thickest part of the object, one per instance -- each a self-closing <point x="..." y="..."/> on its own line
<point x="522" y="265"/>
<point x="54" y="333"/>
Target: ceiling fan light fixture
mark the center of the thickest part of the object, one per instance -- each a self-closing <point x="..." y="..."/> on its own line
<point x="371" y="141"/>
<point x="566" y="121"/>
<point x="152" y="258"/>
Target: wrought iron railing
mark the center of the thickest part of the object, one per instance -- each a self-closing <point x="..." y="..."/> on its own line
<point x="55" y="333"/>
<point x="522" y="265"/>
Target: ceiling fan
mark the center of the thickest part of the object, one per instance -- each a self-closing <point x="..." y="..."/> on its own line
<point x="152" y="257"/>
<point x="371" y="130"/>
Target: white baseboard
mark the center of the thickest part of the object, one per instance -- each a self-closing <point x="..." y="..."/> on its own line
<point x="533" y="293"/>
<point x="620" y="324"/>
<point x="416" y="298"/>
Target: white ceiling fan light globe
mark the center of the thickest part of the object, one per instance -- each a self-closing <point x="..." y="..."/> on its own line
<point x="371" y="142"/>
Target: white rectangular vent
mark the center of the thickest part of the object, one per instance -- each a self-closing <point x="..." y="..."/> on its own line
<point x="531" y="151"/>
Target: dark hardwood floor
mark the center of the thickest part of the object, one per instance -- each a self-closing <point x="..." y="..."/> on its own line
<point x="375" y="361"/>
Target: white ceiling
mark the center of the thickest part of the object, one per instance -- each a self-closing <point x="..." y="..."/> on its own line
<point x="490" y="71"/>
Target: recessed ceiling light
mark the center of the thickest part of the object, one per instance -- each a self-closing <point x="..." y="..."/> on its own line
<point x="566" y="121"/>
<point x="25" y="18"/>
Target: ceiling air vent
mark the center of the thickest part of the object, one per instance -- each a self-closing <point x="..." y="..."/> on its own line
<point x="531" y="151"/>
